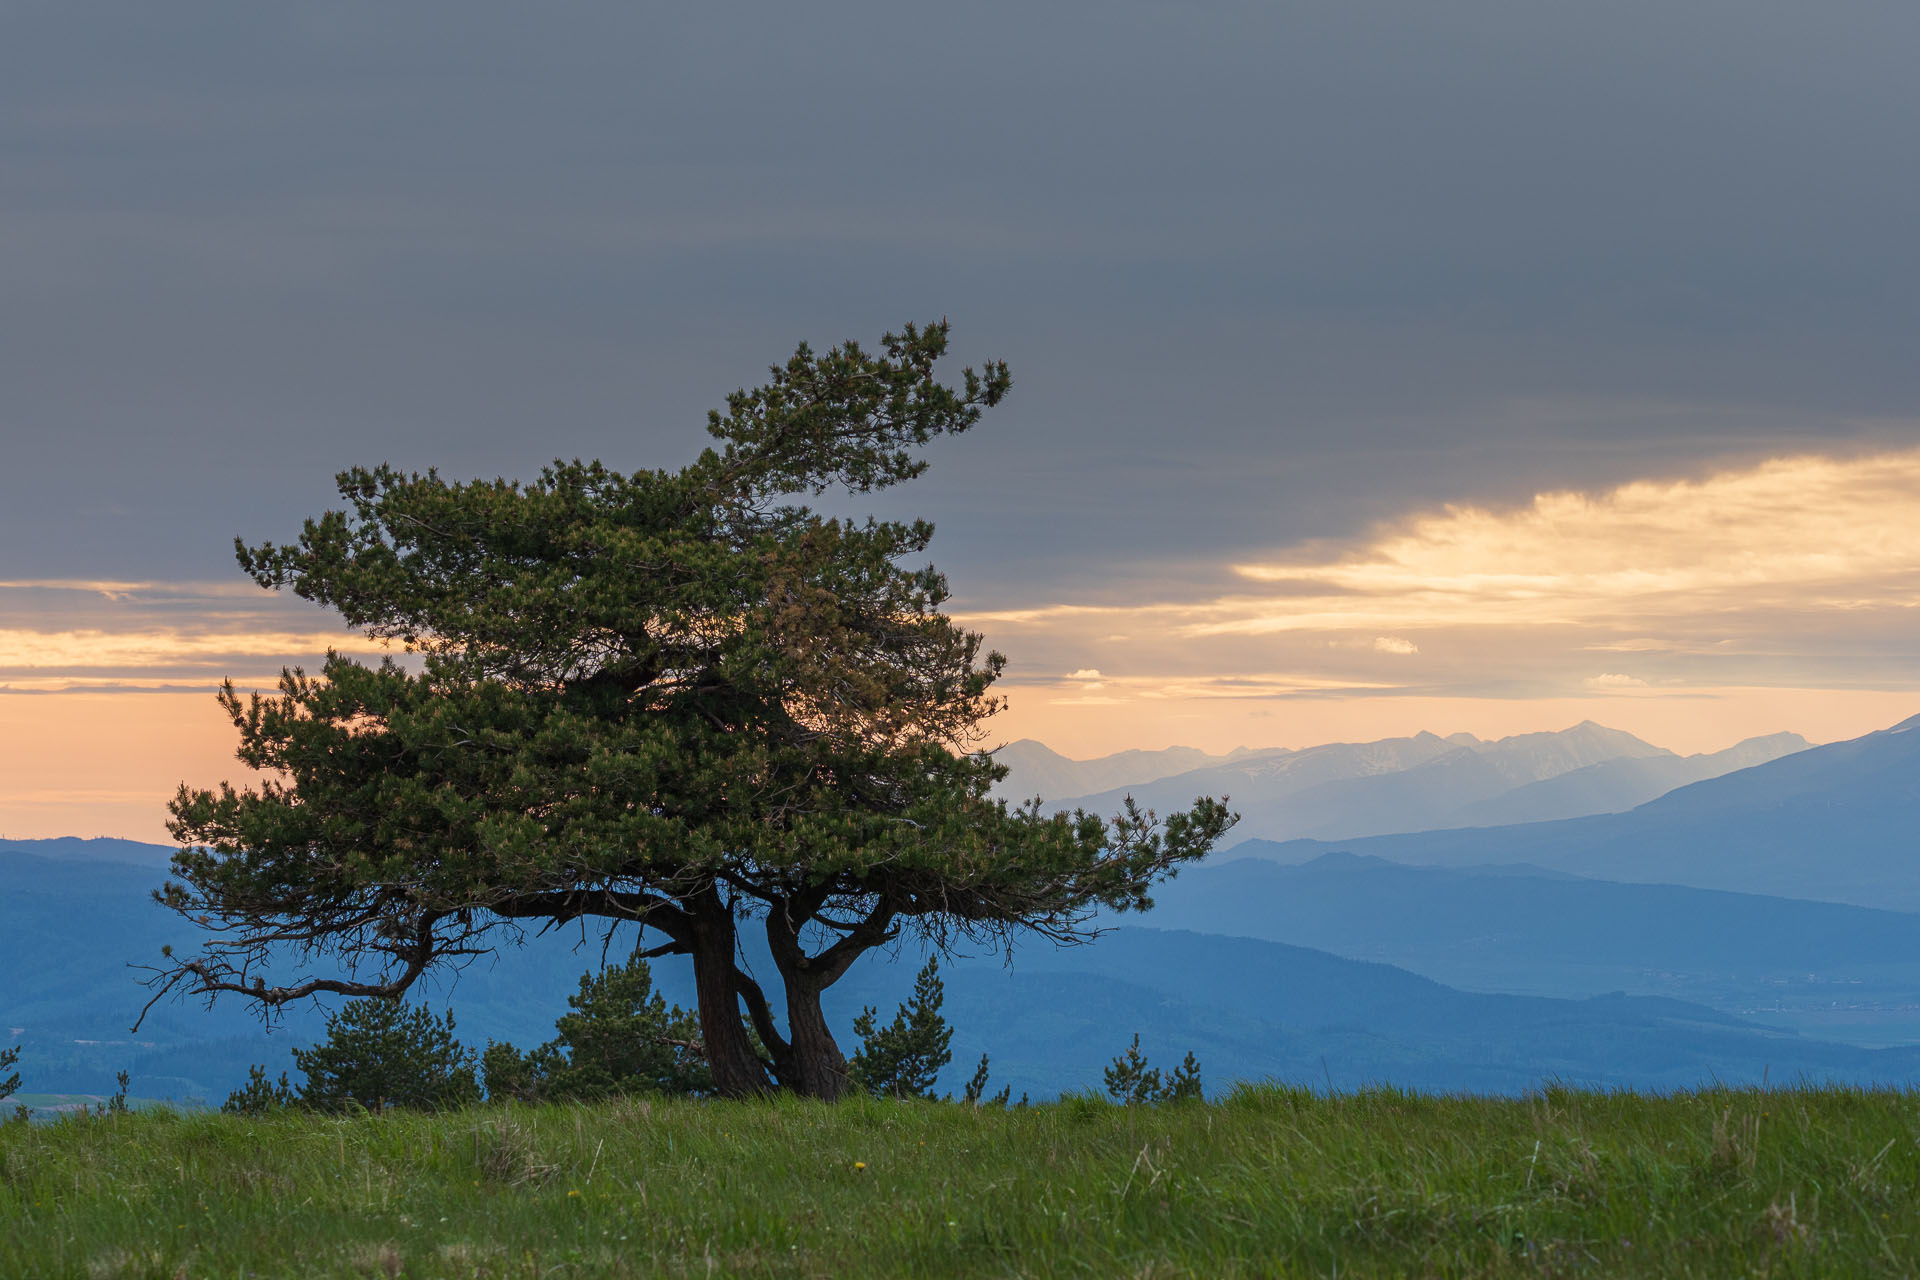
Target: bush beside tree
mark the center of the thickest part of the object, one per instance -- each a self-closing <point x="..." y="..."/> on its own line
<point x="260" y="1096"/>
<point x="904" y="1058"/>
<point x="378" y="1054"/>
<point x="621" y="1037"/>
<point x="381" y="1053"/>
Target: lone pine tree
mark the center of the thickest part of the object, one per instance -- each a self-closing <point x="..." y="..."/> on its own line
<point x="676" y="698"/>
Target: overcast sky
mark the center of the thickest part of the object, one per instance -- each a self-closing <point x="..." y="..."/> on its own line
<point x="1304" y="302"/>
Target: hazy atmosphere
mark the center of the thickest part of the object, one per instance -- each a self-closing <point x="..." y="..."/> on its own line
<point x="1377" y="367"/>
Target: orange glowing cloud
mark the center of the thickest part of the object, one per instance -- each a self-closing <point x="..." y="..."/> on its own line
<point x="149" y="650"/>
<point x="1794" y="533"/>
<point x="1799" y="574"/>
<point x="78" y="635"/>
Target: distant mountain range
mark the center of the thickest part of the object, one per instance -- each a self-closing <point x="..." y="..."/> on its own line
<point x="1419" y="783"/>
<point x="1613" y="786"/>
<point x="1837" y="823"/>
<point x="1039" y="770"/>
<point x="1837" y="972"/>
<point x="1256" y="1010"/>
<point x="1249" y="1008"/>
<point x="132" y="853"/>
<point x="1658" y="905"/>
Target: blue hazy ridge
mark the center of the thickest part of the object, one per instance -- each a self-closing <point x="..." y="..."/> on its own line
<point x="1250" y="1008"/>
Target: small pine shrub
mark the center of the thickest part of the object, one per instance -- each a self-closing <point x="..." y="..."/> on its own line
<point x="904" y="1058"/>
<point x="621" y="1037"/>
<point x="9" y="1084"/>
<point x="977" y="1089"/>
<point x="507" y="1073"/>
<point x="1131" y="1081"/>
<point x="1184" y="1084"/>
<point x="380" y="1053"/>
<point x="259" y="1096"/>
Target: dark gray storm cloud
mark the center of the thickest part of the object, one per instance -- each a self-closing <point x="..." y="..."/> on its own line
<point x="1264" y="271"/>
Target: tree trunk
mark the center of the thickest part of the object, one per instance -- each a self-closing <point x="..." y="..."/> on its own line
<point x="737" y="1070"/>
<point x="819" y="1068"/>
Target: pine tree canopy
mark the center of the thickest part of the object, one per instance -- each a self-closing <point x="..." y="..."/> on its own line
<point x="676" y="698"/>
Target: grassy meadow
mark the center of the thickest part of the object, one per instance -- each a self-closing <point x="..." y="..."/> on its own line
<point x="1268" y="1181"/>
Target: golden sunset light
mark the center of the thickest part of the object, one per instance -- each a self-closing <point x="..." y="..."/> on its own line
<point x="105" y="764"/>
<point x="1802" y="535"/>
<point x="1692" y="612"/>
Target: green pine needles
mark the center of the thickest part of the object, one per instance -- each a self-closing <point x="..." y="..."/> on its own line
<point x="382" y="1053"/>
<point x="904" y="1058"/>
<point x="260" y="1096"/>
<point x="679" y="699"/>
<point x="620" y="1038"/>
<point x="1131" y="1081"/>
<point x="976" y="1094"/>
<point x="378" y="1054"/>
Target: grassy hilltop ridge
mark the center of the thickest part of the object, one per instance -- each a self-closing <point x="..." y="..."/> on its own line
<point x="1269" y="1181"/>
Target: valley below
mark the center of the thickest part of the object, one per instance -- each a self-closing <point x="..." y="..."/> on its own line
<point x="1482" y="960"/>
